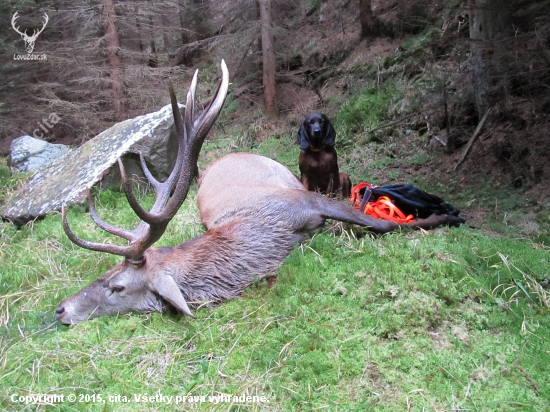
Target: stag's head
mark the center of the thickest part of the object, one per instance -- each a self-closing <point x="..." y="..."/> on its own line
<point x="29" y="40"/>
<point x="142" y="281"/>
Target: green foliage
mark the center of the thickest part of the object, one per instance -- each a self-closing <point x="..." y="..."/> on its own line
<point x="231" y="104"/>
<point x="284" y="148"/>
<point x="313" y="5"/>
<point x="8" y="182"/>
<point x="365" y="109"/>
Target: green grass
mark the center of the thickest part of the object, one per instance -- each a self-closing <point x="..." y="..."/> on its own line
<point x="364" y="110"/>
<point x="451" y="319"/>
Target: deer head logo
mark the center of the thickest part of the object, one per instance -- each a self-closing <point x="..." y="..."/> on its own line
<point x="29" y="40"/>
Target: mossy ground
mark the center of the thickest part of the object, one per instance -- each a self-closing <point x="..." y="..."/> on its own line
<point x="451" y="319"/>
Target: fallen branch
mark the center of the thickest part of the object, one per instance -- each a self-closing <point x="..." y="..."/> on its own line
<point x="472" y="139"/>
<point x="392" y="123"/>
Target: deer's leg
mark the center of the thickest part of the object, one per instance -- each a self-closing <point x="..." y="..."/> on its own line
<point x="338" y="210"/>
<point x="333" y="209"/>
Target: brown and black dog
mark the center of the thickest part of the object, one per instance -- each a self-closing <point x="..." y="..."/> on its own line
<point x="318" y="163"/>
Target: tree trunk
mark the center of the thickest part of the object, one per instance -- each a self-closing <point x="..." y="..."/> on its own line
<point x="183" y="57"/>
<point x="153" y="58"/>
<point x="113" y="58"/>
<point x="184" y="28"/>
<point x="367" y="19"/>
<point x="61" y="7"/>
<point x="489" y="27"/>
<point x="269" y="83"/>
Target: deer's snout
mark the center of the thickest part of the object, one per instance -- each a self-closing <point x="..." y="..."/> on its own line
<point x="59" y="313"/>
<point x="64" y="316"/>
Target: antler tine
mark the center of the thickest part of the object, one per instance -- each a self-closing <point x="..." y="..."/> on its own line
<point x="148" y="175"/>
<point x="98" y="247"/>
<point x="202" y="127"/>
<point x="180" y="133"/>
<point x="180" y="130"/>
<point x="149" y="230"/>
<point x="178" y="120"/>
<point x="196" y="138"/>
<point x="190" y="107"/>
<point x="162" y="190"/>
<point x="114" y="230"/>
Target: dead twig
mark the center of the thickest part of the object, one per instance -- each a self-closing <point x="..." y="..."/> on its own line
<point x="472" y="139"/>
<point x="391" y="124"/>
<point x="528" y="377"/>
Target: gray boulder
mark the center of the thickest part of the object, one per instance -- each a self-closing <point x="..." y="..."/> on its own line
<point x="28" y="154"/>
<point x="66" y="181"/>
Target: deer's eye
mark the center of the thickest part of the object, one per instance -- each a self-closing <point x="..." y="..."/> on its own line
<point x="117" y="289"/>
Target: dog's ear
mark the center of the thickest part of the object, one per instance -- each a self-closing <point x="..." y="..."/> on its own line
<point x="302" y="137"/>
<point x="330" y="136"/>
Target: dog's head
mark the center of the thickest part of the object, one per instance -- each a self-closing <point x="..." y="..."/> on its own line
<point x="316" y="132"/>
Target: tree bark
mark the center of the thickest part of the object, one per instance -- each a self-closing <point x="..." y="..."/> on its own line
<point x="489" y="27"/>
<point x="153" y="57"/>
<point x="269" y="81"/>
<point x="367" y="19"/>
<point x="113" y="58"/>
<point x="61" y="7"/>
<point x="184" y="29"/>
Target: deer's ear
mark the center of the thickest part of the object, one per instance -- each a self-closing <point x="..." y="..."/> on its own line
<point x="167" y="288"/>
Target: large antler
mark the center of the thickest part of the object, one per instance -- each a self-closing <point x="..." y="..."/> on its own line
<point x="191" y="134"/>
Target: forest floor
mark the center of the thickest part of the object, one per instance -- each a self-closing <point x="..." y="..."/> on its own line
<point x="395" y="103"/>
<point x="506" y="171"/>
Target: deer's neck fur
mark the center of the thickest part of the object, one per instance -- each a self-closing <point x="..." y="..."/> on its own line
<point x="220" y="264"/>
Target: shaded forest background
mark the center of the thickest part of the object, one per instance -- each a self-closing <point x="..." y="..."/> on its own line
<point x="410" y="74"/>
